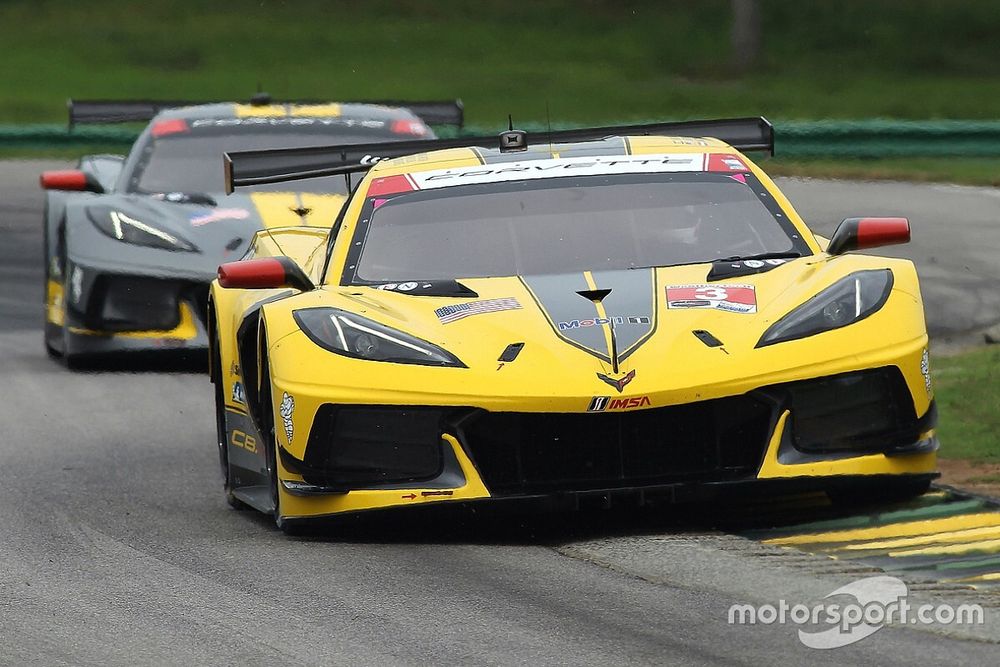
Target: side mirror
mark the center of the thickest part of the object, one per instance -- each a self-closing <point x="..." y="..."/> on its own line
<point x="264" y="273"/>
<point x="863" y="233"/>
<point x="69" y="179"/>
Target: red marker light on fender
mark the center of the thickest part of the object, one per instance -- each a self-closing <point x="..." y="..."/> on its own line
<point x="267" y="272"/>
<point x="875" y="232"/>
<point x="64" y="179"/>
<point x="264" y="273"/>
<point x="864" y="233"/>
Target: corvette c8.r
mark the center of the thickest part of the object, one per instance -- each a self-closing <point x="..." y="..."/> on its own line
<point x="132" y="242"/>
<point x="616" y="311"/>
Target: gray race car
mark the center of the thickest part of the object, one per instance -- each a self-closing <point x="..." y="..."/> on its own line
<point x="132" y="242"/>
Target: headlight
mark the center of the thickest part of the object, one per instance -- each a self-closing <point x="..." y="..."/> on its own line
<point x="355" y="336"/>
<point x="847" y="301"/>
<point x="127" y="229"/>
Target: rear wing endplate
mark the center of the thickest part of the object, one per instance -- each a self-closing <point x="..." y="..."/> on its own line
<point x="246" y="168"/>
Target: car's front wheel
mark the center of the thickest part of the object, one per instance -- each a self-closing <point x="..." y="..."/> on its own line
<point x="222" y="433"/>
<point x="271" y="449"/>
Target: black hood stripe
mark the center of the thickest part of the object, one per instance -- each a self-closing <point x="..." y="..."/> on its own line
<point x="574" y="319"/>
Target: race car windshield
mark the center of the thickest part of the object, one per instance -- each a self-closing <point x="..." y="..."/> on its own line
<point x="193" y="162"/>
<point x="563" y="225"/>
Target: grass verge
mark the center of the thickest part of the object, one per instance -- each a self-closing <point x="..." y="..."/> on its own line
<point x="586" y="61"/>
<point x="967" y="387"/>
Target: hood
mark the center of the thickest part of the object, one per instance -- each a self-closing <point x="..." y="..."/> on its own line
<point x="679" y="336"/>
<point x="223" y="232"/>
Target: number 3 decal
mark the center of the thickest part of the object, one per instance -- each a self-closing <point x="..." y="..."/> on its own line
<point x="712" y="293"/>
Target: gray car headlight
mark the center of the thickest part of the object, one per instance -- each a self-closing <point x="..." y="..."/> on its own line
<point x="127" y="229"/>
<point x="849" y="300"/>
<point x="359" y="337"/>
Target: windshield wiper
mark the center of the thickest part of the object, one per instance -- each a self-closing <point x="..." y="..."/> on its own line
<point x="763" y="255"/>
<point x="735" y="258"/>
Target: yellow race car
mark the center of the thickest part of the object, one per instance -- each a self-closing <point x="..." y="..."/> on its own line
<point x="610" y="313"/>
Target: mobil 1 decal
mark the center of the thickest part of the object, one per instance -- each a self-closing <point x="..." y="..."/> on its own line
<point x="629" y="306"/>
<point x="718" y="296"/>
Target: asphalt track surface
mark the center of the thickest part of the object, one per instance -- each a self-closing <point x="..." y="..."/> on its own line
<point x="116" y="546"/>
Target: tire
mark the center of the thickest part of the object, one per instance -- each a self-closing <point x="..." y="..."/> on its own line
<point x="881" y="492"/>
<point x="49" y="330"/>
<point x="271" y="448"/>
<point x="72" y="360"/>
<point x="221" y="434"/>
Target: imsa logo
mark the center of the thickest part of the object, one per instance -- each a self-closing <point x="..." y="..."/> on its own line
<point x="607" y="403"/>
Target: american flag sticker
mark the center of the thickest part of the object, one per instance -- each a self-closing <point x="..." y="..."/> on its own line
<point x="452" y="313"/>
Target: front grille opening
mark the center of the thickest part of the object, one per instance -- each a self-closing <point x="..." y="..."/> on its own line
<point x="130" y="303"/>
<point x="362" y="446"/>
<point x="722" y="439"/>
<point x="862" y="411"/>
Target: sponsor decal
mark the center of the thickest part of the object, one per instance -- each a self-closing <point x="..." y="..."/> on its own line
<point x="725" y="162"/>
<point x="730" y="298"/>
<point x="620" y="383"/>
<point x="553" y="168"/>
<point x="607" y="403"/>
<point x="214" y="215"/>
<point x="402" y="287"/>
<point x="234" y="369"/>
<point x="925" y="370"/>
<point x="722" y="270"/>
<point x="286" y="409"/>
<point x="600" y="321"/>
<point x="238" y="394"/>
<point x="76" y="284"/>
<point x="460" y="311"/>
<point x="297" y="121"/>
<point x="244" y="441"/>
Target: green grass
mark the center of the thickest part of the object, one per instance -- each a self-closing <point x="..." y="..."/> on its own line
<point x="588" y="60"/>
<point x="967" y="387"/>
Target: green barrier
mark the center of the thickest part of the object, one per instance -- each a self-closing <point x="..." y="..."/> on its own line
<point x="57" y="136"/>
<point x="848" y="139"/>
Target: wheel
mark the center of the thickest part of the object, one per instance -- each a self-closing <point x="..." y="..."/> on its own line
<point x="50" y="331"/>
<point x="271" y="449"/>
<point x="56" y="269"/>
<point x="878" y="492"/>
<point x="222" y="435"/>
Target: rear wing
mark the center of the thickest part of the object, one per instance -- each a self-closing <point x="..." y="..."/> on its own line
<point x="132" y="111"/>
<point x="246" y="168"/>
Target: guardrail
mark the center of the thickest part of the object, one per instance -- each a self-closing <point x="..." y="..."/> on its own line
<point x="832" y="138"/>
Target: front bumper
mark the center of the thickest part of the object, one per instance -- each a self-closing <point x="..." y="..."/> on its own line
<point x="802" y="435"/>
<point x="104" y="311"/>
